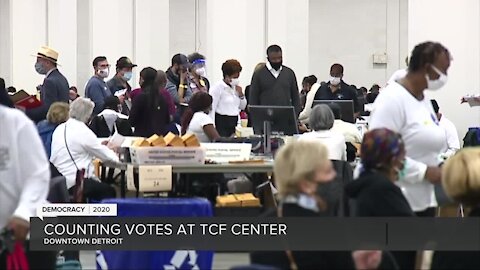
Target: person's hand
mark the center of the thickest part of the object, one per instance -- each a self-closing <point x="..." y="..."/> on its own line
<point x="433" y="174"/>
<point x="239" y="91"/>
<point x="367" y="259"/>
<point x="104" y="142"/>
<point x="121" y="98"/>
<point x="20" y="228"/>
<point x="183" y="75"/>
<point x="302" y="128"/>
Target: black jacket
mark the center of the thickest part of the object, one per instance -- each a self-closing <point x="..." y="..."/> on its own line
<point x="304" y="259"/>
<point x="346" y="92"/>
<point x="458" y="260"/>
<point x="374" y="195"/>
<point x="54" y="88"/>
<point x="147" y="120"/>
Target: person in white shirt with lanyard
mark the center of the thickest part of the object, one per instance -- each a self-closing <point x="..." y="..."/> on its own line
<point x="453" y="143"/>
<point x="74" y="146"/>
<point x="403" y="108"/>
<point x="228" y="99"/>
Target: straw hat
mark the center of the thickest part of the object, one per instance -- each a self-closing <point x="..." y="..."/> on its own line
<point x="47" y="53"/>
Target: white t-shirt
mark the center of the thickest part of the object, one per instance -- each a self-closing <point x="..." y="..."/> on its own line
<point x="398" y="110"/>
<point x="453" y="142"/>
<point x="335" y="143"/>
<point x="24" y="168"/>
<point x="397" y="75"/>
<point x="349" y="130"/>
<point x="199" y="120"/>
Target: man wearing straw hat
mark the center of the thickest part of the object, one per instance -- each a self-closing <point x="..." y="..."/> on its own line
<point x="54" y="87"/>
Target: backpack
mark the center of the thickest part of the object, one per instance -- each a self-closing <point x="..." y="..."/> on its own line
<point x="472" y="138"/>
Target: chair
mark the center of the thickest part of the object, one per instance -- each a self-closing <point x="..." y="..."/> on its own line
<point x="333" y="192"/>
<point x="58" y="192"/>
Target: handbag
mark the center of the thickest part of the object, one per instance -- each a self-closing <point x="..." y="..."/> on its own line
<point x="78" y="196"/>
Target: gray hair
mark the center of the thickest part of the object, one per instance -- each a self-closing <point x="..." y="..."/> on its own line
<point x="81" y="109"/>
<point x="321" y="118"/>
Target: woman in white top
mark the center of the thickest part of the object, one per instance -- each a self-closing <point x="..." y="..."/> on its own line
<point x="74" y="146"/>
<point x="197" y="120"/>
<point x="228" y="99"/>
<point x="310" y="86"/>
<point x="403" y="108"/>
<point x="321" y="121"/>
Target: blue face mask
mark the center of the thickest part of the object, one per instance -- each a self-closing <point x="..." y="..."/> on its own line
<point x="402" y="173"/>
<point x="40" y="69"/>
<point x="127" y="76"/>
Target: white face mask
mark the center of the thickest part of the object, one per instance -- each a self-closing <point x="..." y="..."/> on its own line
<point x="234" y="82"/>
<point x="438" y="83"/>
<point x="201" y="72"/>
<point x="335" y="80"/>
<point x="103" y="73"/>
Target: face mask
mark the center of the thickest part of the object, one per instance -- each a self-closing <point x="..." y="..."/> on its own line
<point x="127" y="76"/>
<point x="276" y="66"/>
<point x="201" y="72"/>
<point x="335" y="80"/>
<point x="438" y="83"/>
<point x="402" y="172"/>
<point x="40" y="69"/>
<point x="103" y="73"/>
<point x="235" y="82"/>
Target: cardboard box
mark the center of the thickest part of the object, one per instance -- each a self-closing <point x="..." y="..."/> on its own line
<point x="156" y="140"/>
<point x="173" y="140"/>
<point x="190" y="140"/>
<point x="248" y="200"/>
<point x="140" y="143"/>
<point x="228" y="200"/>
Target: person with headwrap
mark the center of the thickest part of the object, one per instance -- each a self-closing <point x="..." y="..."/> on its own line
<point x="375" y="193"/>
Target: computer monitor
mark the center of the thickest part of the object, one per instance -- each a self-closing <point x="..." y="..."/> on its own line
<point x="282" y="119"/>
<point x="346" y="107"/>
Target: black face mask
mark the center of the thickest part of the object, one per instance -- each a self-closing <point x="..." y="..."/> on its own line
<point x="276" y="66"/>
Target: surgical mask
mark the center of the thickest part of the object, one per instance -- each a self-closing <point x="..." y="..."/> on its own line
<point x="402" y="172"/>
<point x="103" y="73"/>
<point x="201" y="71"/>
<point x="438" y="83"/>
<point x="335" y="80"/>
<point x="40" y="68"/>
<point x="234" y="82"/>
<point x="127" y="76"/>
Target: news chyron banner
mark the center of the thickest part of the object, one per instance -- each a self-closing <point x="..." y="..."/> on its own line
<point x="96" y="227"/>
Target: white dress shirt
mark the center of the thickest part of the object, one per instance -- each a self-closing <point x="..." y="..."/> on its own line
<point x="398" y="110"/>
<point x="274" y="72"/>
<point x="226" y="100"/>
<point x="335" y="143"/>
<point x="24" y="168"/>
<point x="200" y="120"/>
<point x="453" y="143"/>
<point x="305" y="114"/>
<point x="84" y="147"/>
<point x="349" y="131"/>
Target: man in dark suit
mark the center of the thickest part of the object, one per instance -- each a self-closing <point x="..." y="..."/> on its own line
<point x="55" y="86"/>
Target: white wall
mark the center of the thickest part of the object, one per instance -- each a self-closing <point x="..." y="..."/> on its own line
<point x="456" y="24"/>
<point x="349" y="32"/>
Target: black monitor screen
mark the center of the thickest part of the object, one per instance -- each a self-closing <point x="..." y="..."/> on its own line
<point x="282" y="119"/>
<point x="346" y="107"/>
